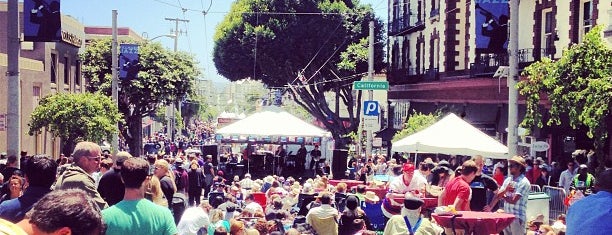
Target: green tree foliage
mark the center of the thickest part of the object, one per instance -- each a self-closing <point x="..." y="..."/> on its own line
<point x="578" y="85"/>
<point x="75" y="117"/>
<point x="163" y="77"/>
<point x="416" y="122"/>
<point x="318" y="49"/>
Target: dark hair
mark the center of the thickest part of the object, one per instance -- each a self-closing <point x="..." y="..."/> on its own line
<point x="220" y="231"/>
<point x="468" y="167"/>
<point x="71" y="208"/>
<point x="361" y="189"/>
<point x="250" y="197"/>
<point x="604" y="181"/>
<point x="40" y="171"/>
<point x="11" y="159"/>
<point x="325" y="198"/>
<point x="134" y="172"/>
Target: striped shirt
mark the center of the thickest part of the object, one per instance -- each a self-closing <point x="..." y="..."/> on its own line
<point x="522" y="188"/>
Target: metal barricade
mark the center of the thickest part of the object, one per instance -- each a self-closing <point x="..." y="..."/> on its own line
<point x="557" y="196"/>
<point x="535" y="189"/>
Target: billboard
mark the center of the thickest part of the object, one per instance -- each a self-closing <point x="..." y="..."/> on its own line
<point x="42" y="20"/>
<point x="492" y="26"/>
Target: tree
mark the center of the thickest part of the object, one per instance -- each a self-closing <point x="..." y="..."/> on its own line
<point x="75" y="117"/>
<point x="163" y="77"/>
<point x="416" y="122"/>
<point x="308" y="47"/>
<point x="579" y="86"/>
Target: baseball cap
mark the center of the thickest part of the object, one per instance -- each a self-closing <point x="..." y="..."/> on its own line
<point x="408" y="167"/>
<point x="121" y="157"/>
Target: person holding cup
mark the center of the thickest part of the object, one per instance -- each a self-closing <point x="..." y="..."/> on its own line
<point x="515" y="193"/>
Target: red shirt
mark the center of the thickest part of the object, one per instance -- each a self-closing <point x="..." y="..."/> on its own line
<point x="457" y="188"/>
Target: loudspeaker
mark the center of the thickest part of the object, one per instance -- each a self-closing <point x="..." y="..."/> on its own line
<point x="210" y="150"/>
<point x="339" y="163"/>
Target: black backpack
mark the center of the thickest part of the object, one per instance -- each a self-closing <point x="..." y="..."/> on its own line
<point x="178" y="175"/>
<point x="179" y="204"/>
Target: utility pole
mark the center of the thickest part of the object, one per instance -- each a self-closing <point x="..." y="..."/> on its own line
<point x="171" y="122"/>
<point x="115" y="81"/>
<point x="513" y="77"/>
<point x="13" y="122"/>
<point x="370" y="78"/>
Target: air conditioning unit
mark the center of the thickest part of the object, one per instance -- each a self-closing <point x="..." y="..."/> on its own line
<point x="526" y="141"/>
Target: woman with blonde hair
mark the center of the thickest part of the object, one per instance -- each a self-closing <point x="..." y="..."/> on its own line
<point x="154" y="192"/>
<point x="166" y="179"/>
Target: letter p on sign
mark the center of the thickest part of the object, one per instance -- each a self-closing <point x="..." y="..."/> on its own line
<point x="370" y="108"/>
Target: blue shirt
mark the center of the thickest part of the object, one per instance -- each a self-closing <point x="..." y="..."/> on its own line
<point x="15" y="209"/>
<point x="522" y="188"/>
<point x="588" y="216"/>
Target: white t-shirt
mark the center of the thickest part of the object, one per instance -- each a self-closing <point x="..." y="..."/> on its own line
<point x="192" y="220"/>
<point x="418" y="182"/>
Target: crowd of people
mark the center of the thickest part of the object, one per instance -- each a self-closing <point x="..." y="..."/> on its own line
<point x="159" y="194"/>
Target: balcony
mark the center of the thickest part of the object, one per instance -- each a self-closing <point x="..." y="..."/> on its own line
<point x="487" y="63"/>
<point x="405" y="24"/>
<point x="412" y="75"/>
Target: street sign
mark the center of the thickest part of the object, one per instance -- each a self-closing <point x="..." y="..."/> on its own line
<point x="370" y="85"/>
<point x="377" y="142"/>
<point x="540" y="146"/>
<point x="371" y="111"/>
<point x="370" y="108"/>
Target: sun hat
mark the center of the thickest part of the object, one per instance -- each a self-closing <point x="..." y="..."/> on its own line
<point x="520" y="160"/>
<point x="412" y="203"/>
<point x="371" y="196"/>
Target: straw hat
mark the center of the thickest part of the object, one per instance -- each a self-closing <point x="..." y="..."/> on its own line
<point x="371" y="196"/>
<point x="520" y="160"/>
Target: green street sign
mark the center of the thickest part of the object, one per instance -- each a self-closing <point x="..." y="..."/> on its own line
<point x="370" y="85"/>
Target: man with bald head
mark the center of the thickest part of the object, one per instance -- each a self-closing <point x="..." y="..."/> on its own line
<point x="87" y="156"/>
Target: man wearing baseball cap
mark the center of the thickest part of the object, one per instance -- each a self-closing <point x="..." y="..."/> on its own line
<point x="407" y="182"/>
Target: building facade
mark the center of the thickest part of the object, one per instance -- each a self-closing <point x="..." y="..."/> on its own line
<point x="443" y="53"/>
<point x="45" y="68"/>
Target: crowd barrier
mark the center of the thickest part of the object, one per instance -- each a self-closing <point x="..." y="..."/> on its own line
<point x="557" y="196"/>
<point x="535" y="188"/>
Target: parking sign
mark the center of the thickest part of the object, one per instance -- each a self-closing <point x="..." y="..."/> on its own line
<point x="370" y="108"/>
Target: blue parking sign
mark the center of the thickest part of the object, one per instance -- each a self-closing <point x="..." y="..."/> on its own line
<point x="370" y="108"/>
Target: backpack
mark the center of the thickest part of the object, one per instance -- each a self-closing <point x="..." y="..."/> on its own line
<point x="179" y="204"/>
<point x="178" y="179"/>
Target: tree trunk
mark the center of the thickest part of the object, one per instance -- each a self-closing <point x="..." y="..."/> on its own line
<point x="135" y="130"/>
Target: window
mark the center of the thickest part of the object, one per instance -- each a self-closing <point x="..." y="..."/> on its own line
<point x="77" y="73"/>
<point x="586" y="22"/>
<point x="548" y="33"/>
<point x="66" y="71"/>
<point x="35" y="96"/>
<point x="53" y="68"/>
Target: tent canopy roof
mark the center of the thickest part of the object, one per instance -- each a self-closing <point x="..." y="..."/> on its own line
<point x="452" y="135"/>
<point x="273" y="121"/>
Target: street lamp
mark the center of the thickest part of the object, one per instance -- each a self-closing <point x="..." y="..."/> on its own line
<point x="170" y="109"/>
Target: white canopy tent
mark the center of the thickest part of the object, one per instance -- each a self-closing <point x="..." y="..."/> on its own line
<point x="452" y="135"/>
<point x="273" y="121"/>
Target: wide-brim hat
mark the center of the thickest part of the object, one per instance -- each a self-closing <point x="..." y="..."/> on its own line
<point x="519" y="160"/>
<point x="371" y="196"/>
<point x="412" y="202"/>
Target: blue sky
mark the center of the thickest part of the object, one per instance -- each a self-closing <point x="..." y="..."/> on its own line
<point x="147" y="16"/>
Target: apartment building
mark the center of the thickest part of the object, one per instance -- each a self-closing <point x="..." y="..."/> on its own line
<point x="443" y="53"/>
<point x="45" y="68"/>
